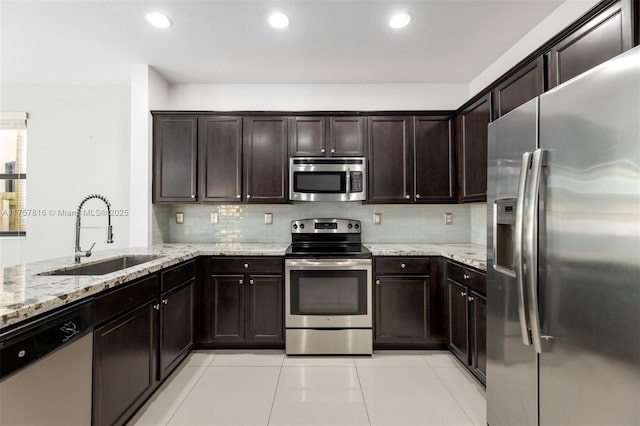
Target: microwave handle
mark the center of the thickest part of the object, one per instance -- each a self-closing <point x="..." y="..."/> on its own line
<point x="348" y="183"/>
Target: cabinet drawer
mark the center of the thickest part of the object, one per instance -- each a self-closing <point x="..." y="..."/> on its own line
<point x="403" y="265"/>
<point x="247" y="265"/>
<point x="125" y="298"/>
<point x="471" y="278"/>
<point x="177" y="275"/>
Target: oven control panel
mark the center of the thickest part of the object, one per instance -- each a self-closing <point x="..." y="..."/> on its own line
<point x="319" y="226"/>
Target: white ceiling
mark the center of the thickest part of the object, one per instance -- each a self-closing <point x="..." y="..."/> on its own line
<point x="328" y="41"/>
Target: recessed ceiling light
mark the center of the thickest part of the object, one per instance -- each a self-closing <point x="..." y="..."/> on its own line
<point x="399" y="20"/>
<point x="278" y="20"/>
<point x="158" y="19"/>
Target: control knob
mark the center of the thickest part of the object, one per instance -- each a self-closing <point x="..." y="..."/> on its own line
<point x="295" y="226"/>
<point x="357" y="226"/>
<point x="350" y="226"/>
<point x="302" y="226"/>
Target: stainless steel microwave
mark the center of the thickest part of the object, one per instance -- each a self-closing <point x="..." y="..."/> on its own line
<point x="328" y="179"/>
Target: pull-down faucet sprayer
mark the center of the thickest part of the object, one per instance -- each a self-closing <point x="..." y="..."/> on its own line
<point x="79" y="253"/>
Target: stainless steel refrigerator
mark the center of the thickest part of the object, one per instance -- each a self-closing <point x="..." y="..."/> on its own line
<point x="563" y="278"/>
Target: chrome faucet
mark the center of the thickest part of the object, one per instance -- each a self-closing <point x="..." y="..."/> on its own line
<point x="79" y="253"/>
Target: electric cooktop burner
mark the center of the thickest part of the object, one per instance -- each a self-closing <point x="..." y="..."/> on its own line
<point x="326" y="238"/>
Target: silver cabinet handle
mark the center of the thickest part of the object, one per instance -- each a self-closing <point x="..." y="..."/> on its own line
<point x="417" y="195"/>
<point x="240" y="282"/>
<point x="322" y="150"/>
<point x="465" y="276"/>
<point x="530" y="237"/>
<point x="165" y="301"/>
<point x="248" y="196"/>
<point x="403" y="265"/>
<point x="462" y="293"/>
<point x="251" y="282"/>
<point x="517" y="247"/>
<point x="407" y="196"/>
<point x="238" y="196"/>
<point x="470" y="298"/>
<point x="333" y="151"/>
<point x="193" y="195"/>
<point x="156" y="306"/>
<point x="246" y="266"/>
<point x="377" y="282"/>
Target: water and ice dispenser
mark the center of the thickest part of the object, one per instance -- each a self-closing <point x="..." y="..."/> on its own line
<point x="504" y="225"/>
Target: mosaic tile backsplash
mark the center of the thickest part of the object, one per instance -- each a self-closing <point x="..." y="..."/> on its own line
<point x="245" y="223"/>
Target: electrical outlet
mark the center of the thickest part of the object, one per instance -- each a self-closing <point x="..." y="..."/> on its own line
<point x="377" y="218"/>
<point x="448" y="218"/>
<point x="180" y="218"/>
<point x="268" y="218"/>
<point x="213" y="217"/>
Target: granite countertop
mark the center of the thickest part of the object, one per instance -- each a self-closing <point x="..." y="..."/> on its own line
<point x="25" y="294"/>
<point x="474" y="255"/>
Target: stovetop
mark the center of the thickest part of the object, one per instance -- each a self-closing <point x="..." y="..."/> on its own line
<point x="311" y="250"/>
<point x="327" y="238"/>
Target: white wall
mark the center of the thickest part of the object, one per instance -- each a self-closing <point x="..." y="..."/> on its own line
<point x="77" y="144"/>
<point x="149" y="90"/>
<point x="318" y="97"/>
<point x="557" y="21"/>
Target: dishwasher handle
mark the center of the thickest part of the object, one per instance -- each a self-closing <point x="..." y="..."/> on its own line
<point x="27" y="343"/>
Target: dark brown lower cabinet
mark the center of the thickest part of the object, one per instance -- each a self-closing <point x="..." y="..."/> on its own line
<point x="124" y="372"/>
<point x="402" y="313"/>
<point x="242" y="304"/>
<point x="467" y="318"/>
<point x="176" y="331"/>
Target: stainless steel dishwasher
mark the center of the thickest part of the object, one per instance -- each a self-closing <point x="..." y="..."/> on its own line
<point x="45" y="369"/>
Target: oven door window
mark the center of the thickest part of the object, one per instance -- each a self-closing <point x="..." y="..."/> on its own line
<point x="328" y="292"/>
<point x="320" y="182"/>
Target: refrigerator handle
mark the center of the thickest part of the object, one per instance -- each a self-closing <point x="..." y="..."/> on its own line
<point x="531" y="245"/>
<point x="517" y="243"/>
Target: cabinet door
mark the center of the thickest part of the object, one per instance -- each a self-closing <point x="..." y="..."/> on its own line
<point x="478" y="335"/>
<point x="473" y="135"/>
<point x="220" y="154"/>
<point x="265" y="159"/>
<point x="307" y="136"/>
<point x="264" y="308"/>
<point x="175" y="147"/>
<point x="176" y="327"/>
<point x="402" y="309"/>
<point x="390" y="159"/>
<point x="524" y="85"/>
<point x="228" y="307"/>
<point x="606" y="35"/>
<point x="346" y="136"/>
<point x="458" y="321"/>
<point x="124" y="365"/>
<point x="434" y="159"/>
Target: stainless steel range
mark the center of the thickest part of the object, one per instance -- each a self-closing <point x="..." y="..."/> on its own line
<point x="328" y="289"/>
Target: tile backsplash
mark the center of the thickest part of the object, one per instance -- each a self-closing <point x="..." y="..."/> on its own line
<point x="245" y="222"/>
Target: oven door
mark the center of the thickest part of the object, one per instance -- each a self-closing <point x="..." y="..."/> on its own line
<point x="328" y="293"/>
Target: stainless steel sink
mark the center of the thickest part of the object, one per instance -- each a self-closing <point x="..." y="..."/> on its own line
<point x="106" y="266"/>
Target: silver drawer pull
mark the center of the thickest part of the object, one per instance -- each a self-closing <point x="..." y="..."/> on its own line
<point x="407" y="196"/>
<point x="465" y="276"/>
<point x="246" y="265"/>
<point x="156" y="306"/>
<point x="322" y="150"/>
<point x="333" y="151"/>
<point x="240" y="282"/>
<point x="251" y="282"/>
<point x="403" y="265"/>
<point x="165" y="301"/>
<point x="377" y="282"/>
<point x="470" y="298"/>
<point x="417" y="195"/>
<point x="238" y="195"/>
<point x="462" y="293"/>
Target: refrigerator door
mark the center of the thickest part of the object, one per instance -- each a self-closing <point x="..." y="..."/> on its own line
<point x="589" y="247"/>
<point x="511" y="366"/>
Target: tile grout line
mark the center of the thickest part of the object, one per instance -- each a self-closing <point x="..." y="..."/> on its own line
<point x="275" y="392"/>
<point x="452" y="396"/>
<point x="204" y="369"/>
<point x="366" y="409"/>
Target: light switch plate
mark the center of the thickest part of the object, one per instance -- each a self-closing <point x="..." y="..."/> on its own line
<point x="268" y="218"/>
<point x="213" y="217"/>
<point x="448" y="218"/>
<point x="180" y="218"/>
<point x="377" y="218"/>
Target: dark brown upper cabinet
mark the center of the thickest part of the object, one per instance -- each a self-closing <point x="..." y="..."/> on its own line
<point x="390" y="159"/>
<point x="320" y="136"/>
<point x="604" y="36"/>
<point x="265" y="159"/>
<point x="434" y="159"/>
<point x="473" y="122"/>
<point x="220" y="158"/>
<point x="175" y="152"/>
<point x="522" y="86"/>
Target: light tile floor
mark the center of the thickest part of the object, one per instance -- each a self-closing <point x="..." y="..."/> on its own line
<point x="268" y="388"/>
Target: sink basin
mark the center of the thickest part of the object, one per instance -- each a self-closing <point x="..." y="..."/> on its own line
<point x="106" y="266"/>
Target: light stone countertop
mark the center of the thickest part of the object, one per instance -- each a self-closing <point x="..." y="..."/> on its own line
<point x="24" y="294"/>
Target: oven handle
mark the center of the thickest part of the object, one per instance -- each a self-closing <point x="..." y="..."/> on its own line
<point x="310" y="264"/>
